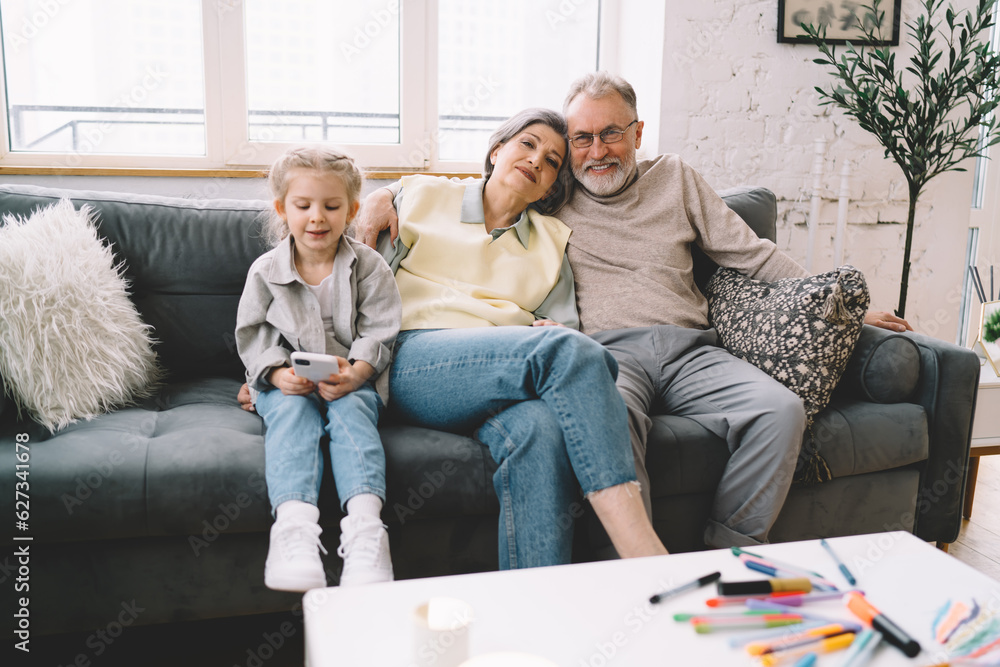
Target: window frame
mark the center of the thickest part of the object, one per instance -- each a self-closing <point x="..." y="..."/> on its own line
<point x="227" y="144"/>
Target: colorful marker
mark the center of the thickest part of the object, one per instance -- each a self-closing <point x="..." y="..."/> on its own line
<point x="743" y="638"/>
<point x="861" y="650"/>
<point x="837" y="643"/>
<point x="706" y="625"/>
<point x="801" y="584"/>
<point x="798" y="599"/>
<point x="776" y="607"/>
<point x="687" y="616"/>
<point x="840" y="565"/>
<point x="773" y="570"/>
<point x="741" y="599"/>
<point x="689" y="586"/>
<point x="892" y="633"/>
<point x="784" y="566"/>
<point x="797" y="639"/>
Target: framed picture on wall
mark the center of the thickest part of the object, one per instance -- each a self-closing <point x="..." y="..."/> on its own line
<point x="842" y="18"/>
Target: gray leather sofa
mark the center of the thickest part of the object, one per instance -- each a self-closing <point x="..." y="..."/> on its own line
<point x="162" y="506"/>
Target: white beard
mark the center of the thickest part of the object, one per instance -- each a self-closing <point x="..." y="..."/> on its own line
<point x="607" y="183"/>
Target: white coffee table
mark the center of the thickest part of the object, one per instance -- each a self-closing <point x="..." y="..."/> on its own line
<point x="598" y="614"/>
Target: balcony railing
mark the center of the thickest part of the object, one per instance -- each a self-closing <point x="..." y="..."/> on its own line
<point x="308" y="125"/>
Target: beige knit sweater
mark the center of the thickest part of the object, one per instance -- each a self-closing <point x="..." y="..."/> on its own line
<point x="631" y="252"/>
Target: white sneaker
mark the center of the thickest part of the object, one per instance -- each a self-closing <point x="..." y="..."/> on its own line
<point x="364" y="546"/>
<point x="293" y="562"/>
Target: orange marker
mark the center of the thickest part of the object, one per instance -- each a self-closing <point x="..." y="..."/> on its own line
<point x="740" y="599"/>
<point x="892" y="633"/>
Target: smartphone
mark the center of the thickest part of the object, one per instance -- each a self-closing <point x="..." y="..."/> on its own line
<point x="313" y="366"/>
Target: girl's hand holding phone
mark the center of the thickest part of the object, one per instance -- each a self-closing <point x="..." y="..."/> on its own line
<point x="350" y="377"/>
<point x="289" y="383"/>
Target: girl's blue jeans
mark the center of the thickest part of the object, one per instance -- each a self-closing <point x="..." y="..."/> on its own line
<point x="293" y="462"/>
<point x="543" y="399"/>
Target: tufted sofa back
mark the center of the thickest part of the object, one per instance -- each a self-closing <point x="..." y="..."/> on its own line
<point x="758" y="208"/>
<point x="186" y="261"/>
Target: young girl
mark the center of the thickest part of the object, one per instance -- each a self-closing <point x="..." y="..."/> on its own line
<point x="320" y="291"/>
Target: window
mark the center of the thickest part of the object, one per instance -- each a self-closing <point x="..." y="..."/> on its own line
<point x="231" y="83"/>
<point x="495" y="58"/>
<point x="339" y="84"/>
<point x="95" y="77"/>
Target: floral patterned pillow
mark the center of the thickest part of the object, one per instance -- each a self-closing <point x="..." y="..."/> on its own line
<point x="800" y="331"/>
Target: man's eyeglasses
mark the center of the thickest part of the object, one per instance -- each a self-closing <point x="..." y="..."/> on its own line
<point x="609" y="136"/>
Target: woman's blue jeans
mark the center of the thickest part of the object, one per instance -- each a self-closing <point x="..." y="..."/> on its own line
<point x="293" y="462"/>
<point x="543" y="399"/>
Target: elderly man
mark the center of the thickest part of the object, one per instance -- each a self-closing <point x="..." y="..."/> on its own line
<point x="633" y="226"/>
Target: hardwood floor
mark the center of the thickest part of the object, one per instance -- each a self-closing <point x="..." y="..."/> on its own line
<point x="978" y="544"/>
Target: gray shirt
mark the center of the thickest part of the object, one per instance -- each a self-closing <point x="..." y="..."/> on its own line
<point x="278" y="313"/>
<point x="631" y="251"/>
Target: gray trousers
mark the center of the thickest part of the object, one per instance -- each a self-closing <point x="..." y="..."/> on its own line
<point x="672" y="370"/>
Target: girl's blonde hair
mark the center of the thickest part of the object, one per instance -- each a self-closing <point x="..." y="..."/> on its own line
<point x="318" y="158"/>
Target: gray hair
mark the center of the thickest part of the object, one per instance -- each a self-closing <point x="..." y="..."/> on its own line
<point x="316" y="157"/>
<point x="596" y="85"/>
<point x="513" y="126"/>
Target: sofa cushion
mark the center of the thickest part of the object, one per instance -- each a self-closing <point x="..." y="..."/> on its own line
<point x="800" y="331"/>
<point x="683" y="457"/>
<point x="858" y="437"/>
<point x="186" y="261"/>
<point x="71" y="343"/>
<point x="855" y="437"/>
<point x="187" y="456"/>
<point x="757" y="207"/>
<point x="189" y="461"/>
<point x="436" y="474"/>
<point x="885" y="367"/>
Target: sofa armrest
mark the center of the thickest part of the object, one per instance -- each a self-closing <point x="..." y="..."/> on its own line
<point x="884" y="367"/>
<point x="947" y="388"/>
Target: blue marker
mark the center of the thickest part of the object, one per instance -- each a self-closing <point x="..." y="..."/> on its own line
<point x="777" y="572"/>
<point x="860" y="651"/>
<point x="808" y="660"/>
<point x="843" y="568"/>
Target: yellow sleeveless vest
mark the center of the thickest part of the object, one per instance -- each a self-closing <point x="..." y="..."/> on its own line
<point x="456" y="275"/>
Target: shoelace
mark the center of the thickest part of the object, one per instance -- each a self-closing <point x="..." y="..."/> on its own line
<point x="301" y="539"/>
<point x="364" y="538"/>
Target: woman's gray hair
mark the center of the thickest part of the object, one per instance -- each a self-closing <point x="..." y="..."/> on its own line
<point x="516" y="124"/>
<point x="596" y="85"/>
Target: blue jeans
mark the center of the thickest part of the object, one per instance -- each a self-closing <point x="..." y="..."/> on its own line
<point x="543" y="399"/>
<point x="293" y="463"/>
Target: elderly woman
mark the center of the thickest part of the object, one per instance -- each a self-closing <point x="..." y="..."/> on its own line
<point x="484" y="282"/>
<point x="477" y="263"/>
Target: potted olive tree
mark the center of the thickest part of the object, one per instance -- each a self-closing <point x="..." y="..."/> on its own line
<point x="931" y="114"/>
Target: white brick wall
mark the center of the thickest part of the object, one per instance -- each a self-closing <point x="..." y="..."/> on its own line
<point x="742" y="109"/>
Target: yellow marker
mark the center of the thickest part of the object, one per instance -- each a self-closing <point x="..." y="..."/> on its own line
<point x="796" y="639"/>
<point x="837" y="643"/>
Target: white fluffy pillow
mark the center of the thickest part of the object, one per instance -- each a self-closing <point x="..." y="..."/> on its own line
<point x="72" y="345"/>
